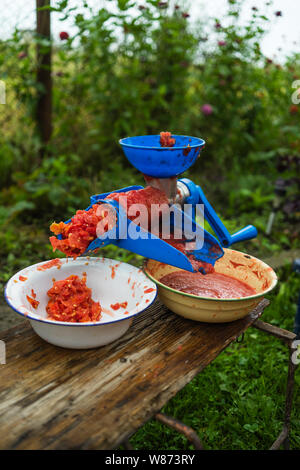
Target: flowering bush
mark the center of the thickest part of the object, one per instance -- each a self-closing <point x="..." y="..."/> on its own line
<point x="129" y="71"/>
<point x="64" y="35"/>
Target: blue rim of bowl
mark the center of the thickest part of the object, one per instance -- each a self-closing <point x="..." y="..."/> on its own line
<point x="201" y="142"/>
<point x="55" y="322"/>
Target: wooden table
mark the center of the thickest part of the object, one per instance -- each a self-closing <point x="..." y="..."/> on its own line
<point x="54" y="398"/>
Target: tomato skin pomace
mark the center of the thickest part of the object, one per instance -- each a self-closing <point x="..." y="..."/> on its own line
<point x="119" y="305"/>
<point x="81" y="231"/>
<point x="34" y="303"/>
<point x="71" y="301"/>
<point x="166" y="139"/>
<point x="50" y="264"/>
<point x="77" y="235"/>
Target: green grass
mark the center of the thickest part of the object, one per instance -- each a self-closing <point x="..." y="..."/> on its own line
<point x="238" y="401"/>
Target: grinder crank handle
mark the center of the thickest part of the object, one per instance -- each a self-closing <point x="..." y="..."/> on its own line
<point x="197" y="196"/>
<point x="246" y="233"/>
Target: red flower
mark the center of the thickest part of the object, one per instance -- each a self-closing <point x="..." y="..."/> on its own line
<point x="177" y="7"/>
<point x="184" y="63"/>
<point x="278" y="13"/>
<point x="218" y="25"/>
<point x="294" y="109"/>
<point x="207" y="109"/>
<point x="221" y="43"/>
<point x="269" y="61"/>
<point x="63" y="35"/>
<point x="185" y="15"/>
<point x="22" y="55"/>
<point x="162" y="4"/>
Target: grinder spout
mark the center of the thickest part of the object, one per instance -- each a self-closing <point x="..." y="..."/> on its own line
<point x="166" y="185"/>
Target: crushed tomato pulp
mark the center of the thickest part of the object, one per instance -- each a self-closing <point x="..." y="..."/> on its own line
<point x="119" y="305"/>
<point x="71" y="301"/>
<point x="32" y="300"/>
<point x="166" y="139"/>
<point x="81" y="231"/>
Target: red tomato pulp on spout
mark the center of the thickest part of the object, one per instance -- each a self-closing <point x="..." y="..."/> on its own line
<point x="81" y="231"/>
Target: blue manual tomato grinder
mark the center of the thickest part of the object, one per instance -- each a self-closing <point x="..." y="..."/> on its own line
<point x="161" y="166"/>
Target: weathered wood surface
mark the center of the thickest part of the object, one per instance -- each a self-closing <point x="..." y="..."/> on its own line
<point x="54" y="398"/>
<point x="273" y="330"/>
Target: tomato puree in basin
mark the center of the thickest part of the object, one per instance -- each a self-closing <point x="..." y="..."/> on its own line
<point x="215" y="285"/>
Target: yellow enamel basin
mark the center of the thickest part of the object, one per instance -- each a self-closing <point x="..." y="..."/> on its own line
<point x="242" y="266"/>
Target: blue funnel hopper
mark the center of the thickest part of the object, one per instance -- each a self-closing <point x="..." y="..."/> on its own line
<point x="146" y="154"/>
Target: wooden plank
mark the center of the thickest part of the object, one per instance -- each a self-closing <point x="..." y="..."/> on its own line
<point x="54" y="398"/>
<point x="8" y="318"/>
<point x="273" y="330"/>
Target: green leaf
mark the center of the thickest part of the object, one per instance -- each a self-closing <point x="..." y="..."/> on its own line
<point x="251" y="427"/>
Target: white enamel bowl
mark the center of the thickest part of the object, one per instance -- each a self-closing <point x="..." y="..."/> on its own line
<point x="111" y="282"/>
